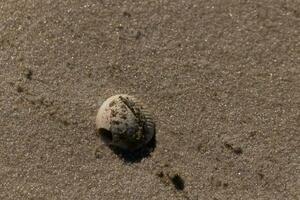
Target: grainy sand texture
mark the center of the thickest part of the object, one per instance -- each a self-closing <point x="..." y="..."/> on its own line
<point x="220" y="77"/>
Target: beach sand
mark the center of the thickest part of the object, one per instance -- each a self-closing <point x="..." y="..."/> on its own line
<point x="221" y="78"/>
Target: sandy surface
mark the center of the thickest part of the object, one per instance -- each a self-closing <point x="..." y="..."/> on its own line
<point x="222" y="79"/>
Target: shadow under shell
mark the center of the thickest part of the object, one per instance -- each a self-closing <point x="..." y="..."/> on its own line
<point x="128" y="156"/>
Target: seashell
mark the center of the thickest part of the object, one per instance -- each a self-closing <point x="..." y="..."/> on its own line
<point x="122" y="121"/>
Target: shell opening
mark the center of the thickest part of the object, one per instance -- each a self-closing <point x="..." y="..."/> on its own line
<point x="105" y="135"/>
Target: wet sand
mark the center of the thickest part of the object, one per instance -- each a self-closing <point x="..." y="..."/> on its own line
<point x="221" y="78"/>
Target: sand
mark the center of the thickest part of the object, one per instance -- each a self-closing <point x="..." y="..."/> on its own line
<point x="221" y="78"/>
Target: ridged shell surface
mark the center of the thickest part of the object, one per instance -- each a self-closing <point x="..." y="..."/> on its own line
<point x="127" y="122"/>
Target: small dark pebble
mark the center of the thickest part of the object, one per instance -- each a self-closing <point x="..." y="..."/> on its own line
<point x="138" y="35"/>
<point x="126" y="14"/>
<point x="69" y="65"/>
<point x="252" y="134"/>
<point x="166" y="165"/>
<point x="261" y="175"/>
<point x="238" y="150"/>
<point x="66" y="123"/>
<point x="178" y="182"/>
<point x="227" y="145"/>
<point x="160" y="174"/>
<point x="20" y="89"/>
<point x="29" y="74"/>
<point x="225" y="185"/>
<point x="199" y="147"/>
